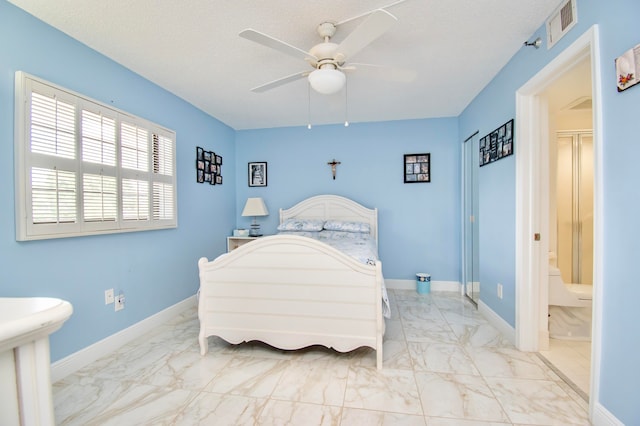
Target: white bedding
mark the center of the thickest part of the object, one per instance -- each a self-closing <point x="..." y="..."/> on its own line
<point x="360" y="246"/>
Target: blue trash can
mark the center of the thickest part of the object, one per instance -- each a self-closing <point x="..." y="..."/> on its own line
<point x="423" y="283"/>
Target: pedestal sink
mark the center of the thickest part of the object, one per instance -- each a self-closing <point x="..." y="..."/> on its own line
<point x="25" y="387"/>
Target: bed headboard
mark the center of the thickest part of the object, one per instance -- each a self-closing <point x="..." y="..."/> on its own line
<point x="335" y="207"/>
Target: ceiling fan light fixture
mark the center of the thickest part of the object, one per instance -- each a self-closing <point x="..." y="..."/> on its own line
<point x="327" y="80"/>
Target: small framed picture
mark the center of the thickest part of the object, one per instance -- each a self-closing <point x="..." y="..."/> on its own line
<point x="257" y="173"/>
<point x="218" y="179"/>
<point x="218" y="160"/>
<point x="417" y="168"/>
<point x="200" y="166"/>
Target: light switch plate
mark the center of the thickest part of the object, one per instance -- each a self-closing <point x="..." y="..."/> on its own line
<point x="108" y="296"/>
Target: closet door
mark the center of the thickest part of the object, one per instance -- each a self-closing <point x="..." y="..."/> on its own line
<point x="471" y="254"/>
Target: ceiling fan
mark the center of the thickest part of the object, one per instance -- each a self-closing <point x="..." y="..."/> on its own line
<point x="328" y="59"/>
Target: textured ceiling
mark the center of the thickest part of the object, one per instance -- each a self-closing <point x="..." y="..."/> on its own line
<point x="192" y="49"/>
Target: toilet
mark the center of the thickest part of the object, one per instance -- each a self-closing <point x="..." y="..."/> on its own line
<point x="569" y="308"/>
<point x="561" y="294"/>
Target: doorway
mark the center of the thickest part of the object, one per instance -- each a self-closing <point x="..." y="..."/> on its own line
<point x="570" y="224"/>
<point x="532" y="201"/>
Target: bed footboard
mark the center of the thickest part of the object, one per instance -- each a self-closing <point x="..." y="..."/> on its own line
<point x="291" y="292"/>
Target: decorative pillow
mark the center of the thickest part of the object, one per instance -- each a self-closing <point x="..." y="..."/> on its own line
<point x="338" y="225"/>
<point x="308" y="225"/>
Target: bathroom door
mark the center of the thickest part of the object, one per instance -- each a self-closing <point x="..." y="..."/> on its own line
<point x="470" y="167"/>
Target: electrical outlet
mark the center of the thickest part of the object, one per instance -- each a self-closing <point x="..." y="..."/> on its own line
<point x="499" y="291"/>
<point x="119" y="302"/>
<point x="108" y="296"/>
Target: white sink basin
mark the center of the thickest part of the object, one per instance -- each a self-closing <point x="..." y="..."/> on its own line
<point x="25" y="388"/>
<point x="24" y="319"/>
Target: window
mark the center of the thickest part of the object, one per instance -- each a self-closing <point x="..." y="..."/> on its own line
<point x="84" y="168"/>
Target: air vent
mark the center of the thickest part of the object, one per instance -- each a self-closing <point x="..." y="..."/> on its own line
<point x="561" y="21"/>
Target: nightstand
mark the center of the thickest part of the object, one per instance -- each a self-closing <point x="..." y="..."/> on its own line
<point x="235" y="242"/>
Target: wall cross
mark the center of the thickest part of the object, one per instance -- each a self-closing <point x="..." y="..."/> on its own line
<point x="333" y="165"/>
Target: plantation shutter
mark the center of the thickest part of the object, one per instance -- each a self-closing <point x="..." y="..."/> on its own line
<point x="99" y="180"/>
<point x="53" y="167"/>
<point x="135" y="147"/>
<point x="85" y="168"/>
<point x="163" y="182"/>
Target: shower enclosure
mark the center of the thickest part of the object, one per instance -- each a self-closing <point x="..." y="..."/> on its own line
<point x="574" y="206"/>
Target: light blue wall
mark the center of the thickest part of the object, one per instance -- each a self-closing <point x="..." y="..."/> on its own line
<point x="155" y="269"/>
<point x="618" y="24"/>
<point x="496" y="194"/>
<point x="419" y="223"/>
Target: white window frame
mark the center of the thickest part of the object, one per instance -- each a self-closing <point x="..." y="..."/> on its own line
<point x="155" y="213"/>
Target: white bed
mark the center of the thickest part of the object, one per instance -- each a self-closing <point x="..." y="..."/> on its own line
<point x="292" y="292"/>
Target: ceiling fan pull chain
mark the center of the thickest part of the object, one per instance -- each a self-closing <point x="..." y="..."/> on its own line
<point x="346" y="105"/>
<point x="309" y="105"/>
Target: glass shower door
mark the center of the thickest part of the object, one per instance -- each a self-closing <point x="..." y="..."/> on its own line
<point x="575" y="207"/>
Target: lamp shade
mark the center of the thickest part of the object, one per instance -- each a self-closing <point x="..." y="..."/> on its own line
<point x="327" y="80"/>
<point x="255" y="207"/>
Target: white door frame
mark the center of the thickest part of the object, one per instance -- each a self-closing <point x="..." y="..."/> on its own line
<point x="532" y="256"/>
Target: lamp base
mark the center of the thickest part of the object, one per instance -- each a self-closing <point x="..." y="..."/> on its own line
<point x="255" y="230"/>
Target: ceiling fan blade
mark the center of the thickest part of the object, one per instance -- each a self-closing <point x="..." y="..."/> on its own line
<point x="373" y="27"/>
<point x="401" y="75"/>
<point x="353" y="18"/>
<point x="274" y="43"/>
<point x="281" y="81"/>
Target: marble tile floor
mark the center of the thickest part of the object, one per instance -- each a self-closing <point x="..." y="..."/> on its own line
<point x="573" y="359"/>
<point x="444" y="365"/>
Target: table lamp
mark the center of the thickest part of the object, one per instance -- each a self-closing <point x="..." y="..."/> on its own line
<point x="255" y="207"/>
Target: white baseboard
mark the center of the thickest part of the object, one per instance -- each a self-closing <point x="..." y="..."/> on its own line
<point x="498" y="322"/>
<point x="602" y="417"/>
<point x="411" y="285"/>
<point x="77" y="360"/>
